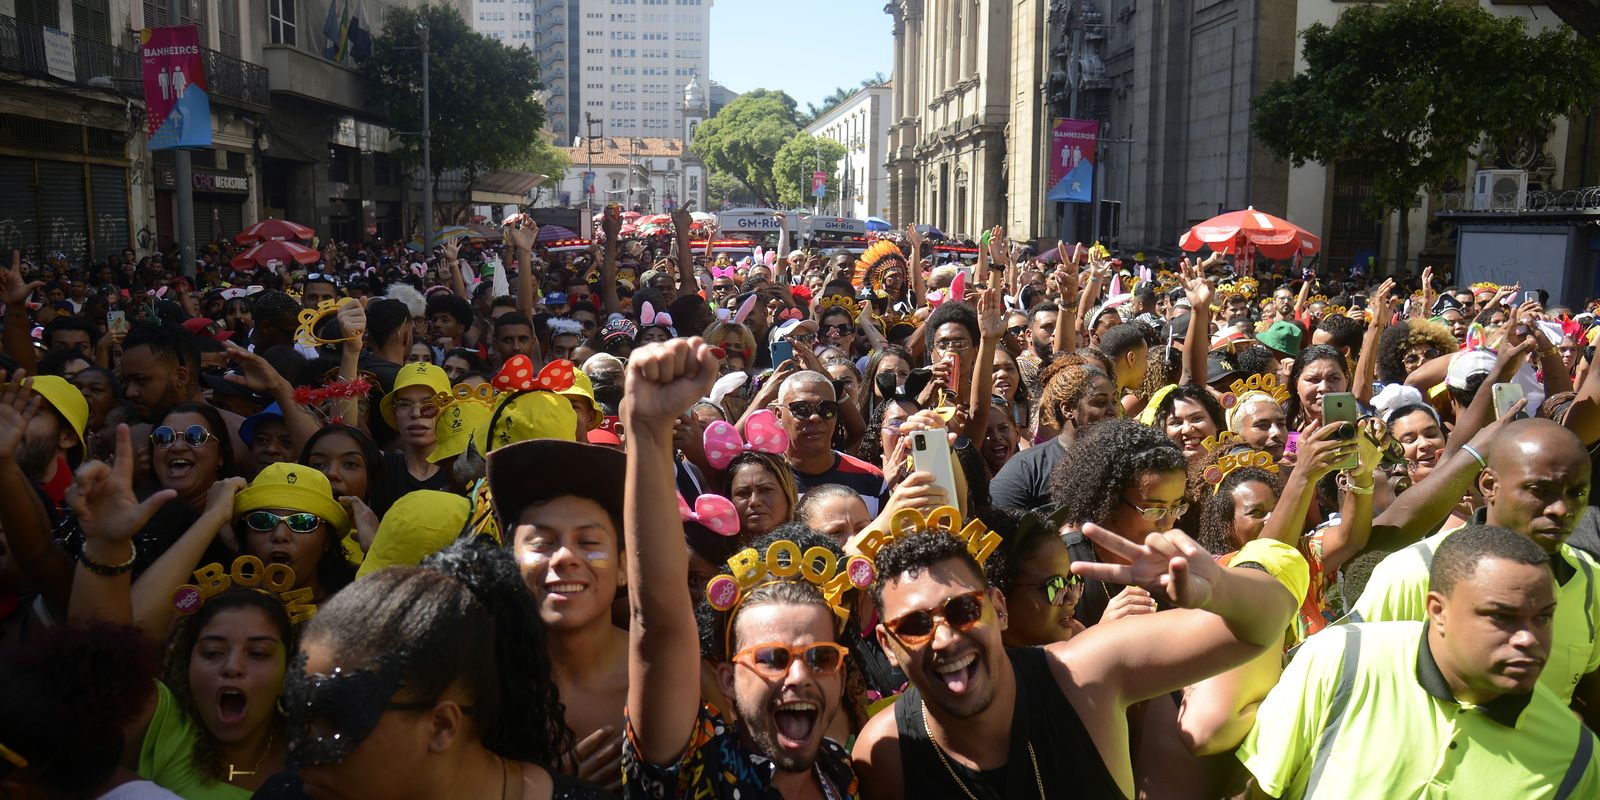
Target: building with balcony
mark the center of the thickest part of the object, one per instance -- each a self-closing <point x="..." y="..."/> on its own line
<point x="79" y="178"/>
<point x="861" y="124"/>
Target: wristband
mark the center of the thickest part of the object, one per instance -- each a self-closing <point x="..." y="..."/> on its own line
<point x="108" y="570"/>
<point x="1350" y="486"/>
<point x="1473" y="451"/>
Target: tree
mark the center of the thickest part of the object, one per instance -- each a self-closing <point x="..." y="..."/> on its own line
<point x="468" y="134"/>
<point x="742" y="140"/>
<point x="797" y="159"/>
<point x="1409" y="91"/>
<point x="726" y="191"/>
<point x="839" y="95"/>
<point x="543" y="158"/>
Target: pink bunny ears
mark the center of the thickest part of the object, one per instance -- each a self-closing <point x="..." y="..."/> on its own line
<point x="648" y="316"/>
<point x="723" y="442"/>
<point x="713" y="511"/>
<point x="958" y="290"/>
<point x="724" y="315"/>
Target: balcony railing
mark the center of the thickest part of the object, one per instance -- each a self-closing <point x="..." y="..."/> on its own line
<point x="234" y="79"/>
<point x="22" y="50"/>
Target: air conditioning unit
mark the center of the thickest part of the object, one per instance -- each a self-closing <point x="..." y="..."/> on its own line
<point x="1500" y="190"/>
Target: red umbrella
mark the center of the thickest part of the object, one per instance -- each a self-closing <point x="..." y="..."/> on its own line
<point x="655" y="219"/>
<point x="1249" y="232"/>
<point x="629" y="216"/>
<point x="264" y="254"/>
<point x="628" y="230"/>
<point x="270" y="228"/>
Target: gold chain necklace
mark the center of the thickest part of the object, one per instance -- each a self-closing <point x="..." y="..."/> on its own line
<point x="239" y="773"/>
<point x="939" y="751"/>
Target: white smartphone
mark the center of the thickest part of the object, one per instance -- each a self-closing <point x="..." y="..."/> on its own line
<point x="1341" y="407"/>
<point x="1530" y="297"/>
<point x="1505" y="396"/>
<point x="930" y="452"/>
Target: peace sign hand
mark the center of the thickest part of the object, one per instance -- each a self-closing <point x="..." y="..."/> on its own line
<point x="102" y="496"/>
<point x="1170" y="561"/>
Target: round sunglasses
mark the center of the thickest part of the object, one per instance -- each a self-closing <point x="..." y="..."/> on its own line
<point x="960" y="612"/>
<point x="167" y="436"/>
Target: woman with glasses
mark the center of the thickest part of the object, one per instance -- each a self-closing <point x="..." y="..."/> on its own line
<point x="290" y="516"/>
<point x="836" y="328"/>
<point x="1127" y="478"/>
<point x="1033" y="571"/>
<point x="412" y="411"/>
<point x="1407" y="345"/>
<point x="429" y="681"/>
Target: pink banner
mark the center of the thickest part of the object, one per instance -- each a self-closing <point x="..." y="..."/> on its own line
<point x="1072" y="160"/>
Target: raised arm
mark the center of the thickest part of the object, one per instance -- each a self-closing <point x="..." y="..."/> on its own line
<point x="259" y="376"/>
<point x="1066" y="333"/>
<point x="663" y="645"/>
<point x="1382" y="310"/>
<point x="1197" y="341"/>
<point x="991" y="326"/>
<point x="1320" y="450"/>
<point x="152" y="592"/>
<point x="452" y="264"/>
<point x="353" y="325"/>
<point x="1583" y="418"/>
<point x="14" y="290"/>
<point x="1225" y="618"/>
<point x="23" y="517"/>
<point x="611" y="223"/>
<point x="682" y="221"/>
<point x="524" y="233"/>
<point x="919" y="286"/>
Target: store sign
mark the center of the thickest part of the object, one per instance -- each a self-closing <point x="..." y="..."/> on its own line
<point x="218" y="182"/>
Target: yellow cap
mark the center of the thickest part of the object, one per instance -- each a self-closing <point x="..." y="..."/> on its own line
<point x="454" y="427"/>
<point x="293" y="487"/>
<point x="416" y="374"/>
<point x="584" y="388"/>
<point x="65" y="399"/>
<point x="418" y="524"/>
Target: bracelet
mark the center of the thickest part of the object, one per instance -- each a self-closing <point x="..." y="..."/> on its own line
<point x="1473" y="451"/>
<point x="108" y="570"/>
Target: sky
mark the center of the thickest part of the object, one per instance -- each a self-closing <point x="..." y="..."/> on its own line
<point x="807" y="48"/>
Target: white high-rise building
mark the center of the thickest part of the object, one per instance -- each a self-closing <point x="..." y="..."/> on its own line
<point x="633" y="60"/>
<point x="506" y="21"/>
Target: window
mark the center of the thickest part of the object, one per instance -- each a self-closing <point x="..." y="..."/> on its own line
<point x="280" y="21"/>
<point x="90" y="20"/>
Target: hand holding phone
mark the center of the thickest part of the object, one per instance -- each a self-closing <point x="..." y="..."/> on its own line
<point x="1505" y="396"/>
<point x="781" y="351"/>
<point x="930" y="453"/>
<point x="1341" y="407"/>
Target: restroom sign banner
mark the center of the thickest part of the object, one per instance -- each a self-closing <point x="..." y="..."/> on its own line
<point x="175" y="94"/>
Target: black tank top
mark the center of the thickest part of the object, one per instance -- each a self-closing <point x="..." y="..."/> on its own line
<point x="1069" y="764"/>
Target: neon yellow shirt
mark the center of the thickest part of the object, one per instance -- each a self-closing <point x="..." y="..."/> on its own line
<point x="1363" y="712"/>
<point x="166" y="756"/>
<point x="1398" y="590"/>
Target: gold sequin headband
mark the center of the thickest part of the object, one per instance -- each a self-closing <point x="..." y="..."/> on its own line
<point x="309" y="319"/>
<point x="833" y="301"/>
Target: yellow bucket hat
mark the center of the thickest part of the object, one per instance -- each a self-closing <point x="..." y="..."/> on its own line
<point x="294" y="487"/>
<point x="65" y="399"/>
<point x="416" y="374"/>
<point x="418" y="524"/>
<point x="454" y="427"/>
<point x="520" y="416"/>
<point x="584" y="388"/>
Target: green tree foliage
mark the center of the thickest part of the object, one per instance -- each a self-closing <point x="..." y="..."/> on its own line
<point x="1406" y="92"/>
<point x="743" y="139"/>
<point x="726" y="191"/>
<point x="468" y="134"/>
<point x="797" y="159"/>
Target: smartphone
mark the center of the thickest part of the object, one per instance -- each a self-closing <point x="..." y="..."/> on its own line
<point x="1505" y="396"/>
<point x="781" y="352"/>
<point x="1341" y="407"/>
<point x="1530" y="297"/>
<point x="930" y="452"/>
<point x="971" y="275"/>
<point x="116" y="321"/>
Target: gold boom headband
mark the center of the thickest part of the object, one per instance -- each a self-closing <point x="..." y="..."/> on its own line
<point x="1218" y="472"/>
<point x="783" y="560"/>
<point x="482" y="393"/>
<point x="1265" y="383"/>
<point x="981" y="541"/>
<point x="833" y="301"/>
<point x="276" y="580"/>
<point x="306" y="334"/>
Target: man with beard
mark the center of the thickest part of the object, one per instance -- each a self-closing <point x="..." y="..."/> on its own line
<point x="983" y="721"/>
<point x="1535" y="483"/>
<point x="809" y="409"/>
<point x="1447" y="706"/>
<point x="1040" y="347"/>
<point x="786" y="673"/>
<point x="41" y="427"/>
<point x="565" y="529"/>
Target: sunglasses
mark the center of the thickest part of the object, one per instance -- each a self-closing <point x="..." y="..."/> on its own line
<point x="1017" y="330"/>
<point x="1158" y="513"/>
<point x="960" y="612"/>
<point x="1059" y="588"/>
<point x="328" y="716"/>
<point x="425" y="409"/>
<point x="804" y="409"/>
<point x="804" y="338"/>
<point x="167" y="436"/>
<point x="772" y="659"/>
<point x="266" y="521"/>
<point x="839" y="329"/>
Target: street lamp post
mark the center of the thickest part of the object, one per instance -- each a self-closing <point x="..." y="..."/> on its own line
<point x="427" y="149"/>
<point x="185" y="179"/>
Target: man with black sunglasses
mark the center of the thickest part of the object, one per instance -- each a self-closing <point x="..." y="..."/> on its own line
<point x="808" y="405"/>
<point x="980" y="720"/>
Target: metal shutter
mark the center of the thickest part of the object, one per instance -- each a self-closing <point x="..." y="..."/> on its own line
<point x="230" y="220"/>
<point x="90" y="20"/>
<point x="63" y="220"/>
<point x="18" y="226"/>
<point x="110" y="210"/>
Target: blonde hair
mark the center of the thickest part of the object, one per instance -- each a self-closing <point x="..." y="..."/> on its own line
<point x="719" y="333"/>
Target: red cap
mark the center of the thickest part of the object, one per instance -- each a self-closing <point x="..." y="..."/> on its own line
<point x="207" y="328"/>
<point x="603" y="436"/>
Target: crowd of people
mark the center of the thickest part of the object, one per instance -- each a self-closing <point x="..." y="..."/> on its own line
<point x="652" y="521"/>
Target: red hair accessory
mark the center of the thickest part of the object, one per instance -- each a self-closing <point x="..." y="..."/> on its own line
<point x="517" y="375"/>
<point x="790" y="313"/>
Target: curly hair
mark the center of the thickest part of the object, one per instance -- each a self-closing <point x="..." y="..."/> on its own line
<point x="909" y="556"/>
<point x="1216" y="514"/>
<point x="871" y="448"/>
<point x="1399" y="338"/>
<point x="1089" y="482"/>
<point x="463" y="618"/>
<point x="205" y="756"/>
<point x="957" y="312"/>
<point x="1307" y="357"/>
<point x="65" y="698"/>
<point x="1194" y="393"/>
<point x="1066" y="388"/>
